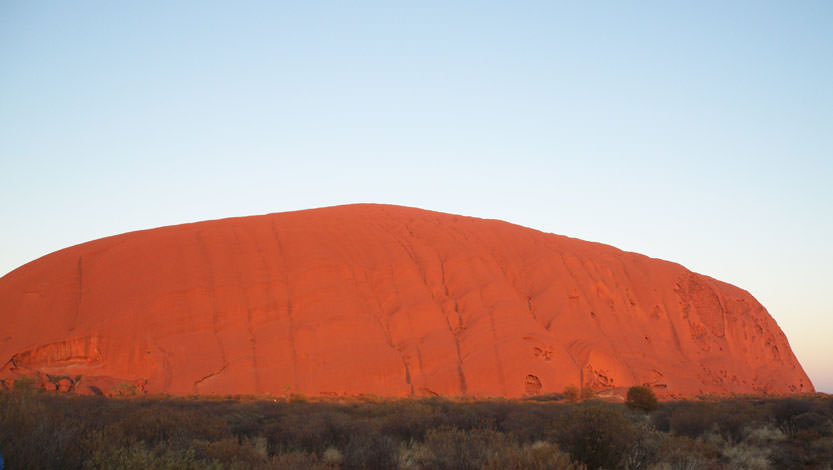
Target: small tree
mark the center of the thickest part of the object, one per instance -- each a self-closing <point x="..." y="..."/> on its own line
<point x="642" y="398"/>
<point x="572" y="394"/>
<point x="587" y="393"/>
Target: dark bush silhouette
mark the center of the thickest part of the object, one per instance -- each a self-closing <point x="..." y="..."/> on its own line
<point x="641" y="398"/>
<point x="530" y="424"/>
<point x="691" y="419"/>
<point x="572" y="394"/>
<point x="787" y="412"/>
<point x="371" y="451"/>
<point x="598" y="435"/>
<point x="456" y="449"/>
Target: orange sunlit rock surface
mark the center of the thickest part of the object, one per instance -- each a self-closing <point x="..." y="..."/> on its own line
<point x="377" y="299"/>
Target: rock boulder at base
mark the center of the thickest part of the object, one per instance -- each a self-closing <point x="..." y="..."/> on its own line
<point x="384" y="300"/>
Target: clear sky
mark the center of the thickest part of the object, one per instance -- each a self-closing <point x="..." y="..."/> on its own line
<point x="699" y="132"/>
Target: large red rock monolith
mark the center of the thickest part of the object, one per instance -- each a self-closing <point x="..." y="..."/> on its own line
<point x="385" y="300"/>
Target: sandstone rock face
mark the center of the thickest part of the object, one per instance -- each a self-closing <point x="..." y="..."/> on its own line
<point x="385" y="300"/>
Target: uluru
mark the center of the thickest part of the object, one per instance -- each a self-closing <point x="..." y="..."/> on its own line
<point x="383" y="300"/>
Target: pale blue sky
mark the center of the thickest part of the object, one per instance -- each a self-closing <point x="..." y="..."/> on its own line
<point x="701" y="133"/>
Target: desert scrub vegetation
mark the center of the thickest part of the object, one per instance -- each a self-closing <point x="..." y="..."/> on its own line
<point x="46" y="430"/>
